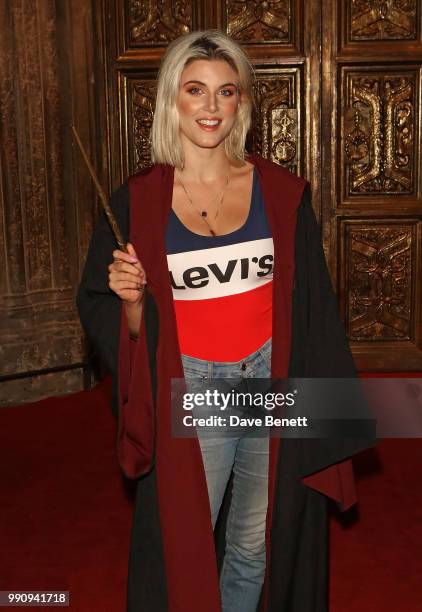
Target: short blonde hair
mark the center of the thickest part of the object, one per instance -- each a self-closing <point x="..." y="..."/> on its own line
<point x="166" y="147"/>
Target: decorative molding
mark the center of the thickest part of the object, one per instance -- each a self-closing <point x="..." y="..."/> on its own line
<point x="53" y="145"/>
<point x="380" y="276"/>
<point x="276" y="121"/>
<point x="258" y="21"/>
<point x="142" y="109"/>
<point x="380" y="133"/>
<point x="376" y="20"/>
<point x="152" y="23"/>
<point x="12" y="277"/>
<point x="138" y="112"/>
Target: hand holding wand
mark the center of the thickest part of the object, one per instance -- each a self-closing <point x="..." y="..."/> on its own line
<point x="104" y="200"/>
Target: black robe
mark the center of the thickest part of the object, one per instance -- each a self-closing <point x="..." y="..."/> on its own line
<point x="301" y="475"/>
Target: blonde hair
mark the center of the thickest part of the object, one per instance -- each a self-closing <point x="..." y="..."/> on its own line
<point x="166" y="147"/>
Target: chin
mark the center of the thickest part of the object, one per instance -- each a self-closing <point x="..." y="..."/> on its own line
<point x="210" y="140"/>
<point x="207" y="143"/>
<point x="210" y="145"/>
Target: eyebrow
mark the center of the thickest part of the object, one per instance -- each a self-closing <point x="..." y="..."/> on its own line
<point x="201" y="83"/>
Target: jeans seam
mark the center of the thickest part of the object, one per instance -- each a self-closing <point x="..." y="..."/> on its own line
<point x="266" y="359"/>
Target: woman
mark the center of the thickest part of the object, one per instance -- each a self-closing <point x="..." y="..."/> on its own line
<point x="224" y="277"/>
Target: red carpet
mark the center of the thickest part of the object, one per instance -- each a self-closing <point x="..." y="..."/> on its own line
<point x="65" y="513"/>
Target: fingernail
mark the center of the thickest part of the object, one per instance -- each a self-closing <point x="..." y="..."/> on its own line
<point x="133" y="259"/>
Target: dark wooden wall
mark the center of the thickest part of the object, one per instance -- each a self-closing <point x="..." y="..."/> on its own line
<point x="338" y="101"/>
<point x="47" y="204"/>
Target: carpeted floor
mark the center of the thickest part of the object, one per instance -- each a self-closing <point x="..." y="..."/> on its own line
<point x="65" y="513"/>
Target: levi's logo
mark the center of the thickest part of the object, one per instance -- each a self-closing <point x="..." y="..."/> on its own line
<point x="199" y="276"/>
<point x="221" y="271"/>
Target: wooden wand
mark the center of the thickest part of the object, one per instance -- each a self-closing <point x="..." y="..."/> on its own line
<point x="104" y="200"/>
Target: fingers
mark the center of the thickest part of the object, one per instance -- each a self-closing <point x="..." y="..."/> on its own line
<point x="131" y="250"/>
<point x="122" y="266"/>
<point x="128" y="287"/>
<point x="128" y="262"/>
<point x="130" y="256"/>
<point x="122" y="270"/>
<point x="132" y="280"/>
<point x="122" y="256"/>
<point x="127" y="277"/>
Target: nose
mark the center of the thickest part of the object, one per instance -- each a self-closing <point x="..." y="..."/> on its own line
<point x="211" y="102"/>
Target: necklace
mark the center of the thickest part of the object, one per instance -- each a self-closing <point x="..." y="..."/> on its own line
<point x="203" y="213"/>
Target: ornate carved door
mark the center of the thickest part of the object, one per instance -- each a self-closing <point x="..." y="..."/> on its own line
<point x="338" y="101"/>
<point x="371" y="189"/>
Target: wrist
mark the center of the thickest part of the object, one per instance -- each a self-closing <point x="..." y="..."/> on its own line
<point x="134" y="306"/>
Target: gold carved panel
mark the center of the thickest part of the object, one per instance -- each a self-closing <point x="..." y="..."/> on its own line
<point x="151" y="23"/>
<point x="138" y="108"/>
<point x="142" y="110"/>
<point x="276" y="121"/>
<point x="258" y="21"/>
<point x="379" y="142"/>
<point x="380" y="268"/>
<point x="377" y="20"/>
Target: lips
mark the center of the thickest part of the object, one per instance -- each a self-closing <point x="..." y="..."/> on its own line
<point x="209" y="123"/>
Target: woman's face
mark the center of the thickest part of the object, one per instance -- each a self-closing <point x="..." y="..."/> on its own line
<point x="207" y="102"/>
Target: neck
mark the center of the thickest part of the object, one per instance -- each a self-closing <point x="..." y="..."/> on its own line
<point x="204" y="165"/>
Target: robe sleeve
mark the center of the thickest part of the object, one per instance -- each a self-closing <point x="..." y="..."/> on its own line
<point x="99" y="307"/>
<point x="320" y="349"/>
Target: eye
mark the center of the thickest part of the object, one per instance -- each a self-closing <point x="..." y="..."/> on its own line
<point x="227" y="92"/>
<point x="194" y="90"/>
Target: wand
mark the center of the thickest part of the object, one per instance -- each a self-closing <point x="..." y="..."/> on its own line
<point x="104" y="200"/>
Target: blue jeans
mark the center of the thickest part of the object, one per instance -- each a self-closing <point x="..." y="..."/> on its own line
<point x="243" y="570"/>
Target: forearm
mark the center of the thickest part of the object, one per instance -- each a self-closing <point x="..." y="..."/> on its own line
<point x="133" y="315"/>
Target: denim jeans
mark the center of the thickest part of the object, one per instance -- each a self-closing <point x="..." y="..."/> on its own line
<point x="243" y="569"/>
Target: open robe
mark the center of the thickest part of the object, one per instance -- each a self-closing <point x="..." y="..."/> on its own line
<point x="175" y="555"/>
